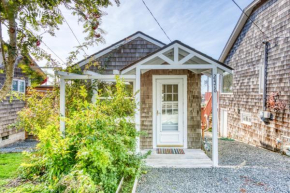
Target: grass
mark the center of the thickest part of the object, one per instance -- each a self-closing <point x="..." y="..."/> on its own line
<point x="9" y="162"/>
<point x="226" y="139"/>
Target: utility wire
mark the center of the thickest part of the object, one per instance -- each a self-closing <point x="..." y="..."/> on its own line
<point x="250" y="18"/>
<point x="156" y="21"/>
<point x="73" y="32"/>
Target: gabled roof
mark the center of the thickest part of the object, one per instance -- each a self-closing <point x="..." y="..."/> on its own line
<point x="182" y="44"/>
<point x="238" y="28"/>
<point x="115" y="45"/>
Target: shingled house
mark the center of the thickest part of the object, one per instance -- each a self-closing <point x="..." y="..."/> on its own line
<point x="256" y="63"/>
<point x="169" y="80"/>
<point x="9" y="108"/>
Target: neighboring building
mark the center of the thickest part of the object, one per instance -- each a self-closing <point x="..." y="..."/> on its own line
<point x="10" y="106"/>
<point x="169" y="80"/>
<point x="241" y="100"/>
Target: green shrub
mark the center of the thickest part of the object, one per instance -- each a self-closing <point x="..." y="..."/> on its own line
<point x="99" y="144"/>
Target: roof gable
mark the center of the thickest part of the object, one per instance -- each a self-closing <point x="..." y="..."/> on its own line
<point x="238" y="28"/>
<point x="139" y="44"/>
<point x="176" y="53"/>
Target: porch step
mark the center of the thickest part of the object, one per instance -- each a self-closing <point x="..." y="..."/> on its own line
<point x="179" y="163"/>
<point x="178" y="156"/>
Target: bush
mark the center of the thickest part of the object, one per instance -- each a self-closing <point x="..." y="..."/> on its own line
<point x="99" y="144"/>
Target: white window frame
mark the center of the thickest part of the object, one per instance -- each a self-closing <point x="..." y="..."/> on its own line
<point x="261" y="79"/>
<point x="246" y="114"/>
<point x="222" y="85"/>
<point x="18" y="88"/>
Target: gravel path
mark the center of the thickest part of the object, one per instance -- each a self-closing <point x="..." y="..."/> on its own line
<point x="26" y="145"/>
<point x="244" y="168"/>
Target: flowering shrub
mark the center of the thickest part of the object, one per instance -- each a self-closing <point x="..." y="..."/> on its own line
<point x="100" y="142"/>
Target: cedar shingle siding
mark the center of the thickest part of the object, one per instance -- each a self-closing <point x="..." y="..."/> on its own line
<point x="246" y="55"/>
<point x="9" y="109"/>
<point x="193" y="107"/>
<point x="123" y="55"/>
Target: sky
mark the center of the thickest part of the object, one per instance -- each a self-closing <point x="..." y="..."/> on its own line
<point x="202" y="24"/>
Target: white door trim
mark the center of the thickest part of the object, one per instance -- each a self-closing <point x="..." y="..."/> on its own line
<point x="154" y="107"/>
<point x="222" y="131"/>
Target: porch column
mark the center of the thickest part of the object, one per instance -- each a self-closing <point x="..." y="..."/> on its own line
<point x="95" y="91"/>
<point x="214" y="118"/>
<point x="137" y="100"/>
<point x="62" y="105"/>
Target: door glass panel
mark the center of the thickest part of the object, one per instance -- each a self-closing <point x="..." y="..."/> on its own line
<point x="169" y="118"/>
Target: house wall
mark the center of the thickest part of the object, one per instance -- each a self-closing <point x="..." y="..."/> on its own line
<point x="193" y="107"/>
<point x="123" y="55"/>
<point x="8" y="113"/>
<point x="246" y="55"/>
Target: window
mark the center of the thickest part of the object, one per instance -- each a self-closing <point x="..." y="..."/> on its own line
<point x="18" y="85"/>
<point x="105" y="88"/>
<point x="227" y="83"/>
<point x="246" y="118"/>
<point x="261" y="79"/>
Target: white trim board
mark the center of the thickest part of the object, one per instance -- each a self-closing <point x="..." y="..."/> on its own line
<point x="154" y="106"/>
<point x="115" y="46"/>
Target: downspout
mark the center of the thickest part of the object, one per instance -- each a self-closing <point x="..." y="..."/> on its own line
<point x="265" y="76"/>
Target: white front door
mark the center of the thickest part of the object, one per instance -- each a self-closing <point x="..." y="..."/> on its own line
<point x="224" y="123"/>
<point x="170" y="112"/>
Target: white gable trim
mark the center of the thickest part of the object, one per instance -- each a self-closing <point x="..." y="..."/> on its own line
<point x="111" y="48"/>
<point x="175" y="64"/>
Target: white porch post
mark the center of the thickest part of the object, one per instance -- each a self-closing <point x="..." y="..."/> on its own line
<point x="62" y="105"/>
<point x="95" y="91"/>
<point x="137" y="100"/>
<point x="214" y="118"/>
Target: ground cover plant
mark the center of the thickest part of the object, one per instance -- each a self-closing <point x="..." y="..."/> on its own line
<point x="99" y="144"/>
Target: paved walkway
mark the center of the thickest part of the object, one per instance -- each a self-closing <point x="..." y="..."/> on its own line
<point x="244" y="168"/>
<point x="193" y="158"/>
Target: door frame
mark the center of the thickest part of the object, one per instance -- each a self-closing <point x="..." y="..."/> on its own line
<point x="154" y="106"/>
<point x="222" y="123"/>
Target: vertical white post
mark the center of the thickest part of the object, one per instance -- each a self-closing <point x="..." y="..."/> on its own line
<point x="137" y="100"/>
<point x="175" y="54"/>
<point x="95" y="91"/>
<point x="62" y="105"/>
<point x="214" y="118"/>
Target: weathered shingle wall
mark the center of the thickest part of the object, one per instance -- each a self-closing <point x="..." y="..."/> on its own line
<point x="123" y="55"/>
<point x="193" y="107"/>
<point x="246" y="55"/>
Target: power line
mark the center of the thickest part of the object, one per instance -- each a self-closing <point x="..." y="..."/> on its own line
<point x="73" y="32"/>
<point x="250" y="18"/>
<point x="156" y="21"/>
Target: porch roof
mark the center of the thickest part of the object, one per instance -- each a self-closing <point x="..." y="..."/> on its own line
<point x="177" y="47"/>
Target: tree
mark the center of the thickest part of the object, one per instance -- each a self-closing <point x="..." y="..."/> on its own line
<point x="24" y="18"/>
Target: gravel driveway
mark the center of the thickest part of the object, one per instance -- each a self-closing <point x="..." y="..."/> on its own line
<point x="20" y="146"/>
<point x="244" y="168"/>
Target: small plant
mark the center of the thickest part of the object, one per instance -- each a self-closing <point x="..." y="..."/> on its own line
<point x="226" y="139"/>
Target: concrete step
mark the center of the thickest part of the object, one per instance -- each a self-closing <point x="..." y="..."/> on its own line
<point x="179" y="163"/>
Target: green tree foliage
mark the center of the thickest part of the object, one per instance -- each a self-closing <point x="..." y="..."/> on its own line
<point x="100" y="142"/>
<point x="24" y="18"/>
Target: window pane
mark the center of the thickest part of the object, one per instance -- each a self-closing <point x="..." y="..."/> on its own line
<point x="15" y="85"/>
<point x="22" y="86"/>
<point x="227" y="83"/>
<point x="175" y="88"/>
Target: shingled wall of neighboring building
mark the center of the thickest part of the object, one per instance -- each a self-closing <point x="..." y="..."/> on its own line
<point x="8" y="113"/>
<point x="123" y="55"/>
<point x="246" y="55"/>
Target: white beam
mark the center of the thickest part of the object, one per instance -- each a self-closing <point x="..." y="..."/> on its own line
<point x="175" y="54"/>
<point x="186" y="58"/>
<point x="62" y="106"/>
<point x="95" y="91"/>
<point x="188" y="67"/>
<point x="88" y="72"/>
<point x="137" y="100"/>
<point x="166" y="59"/>
<point x="214" y="119"/>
